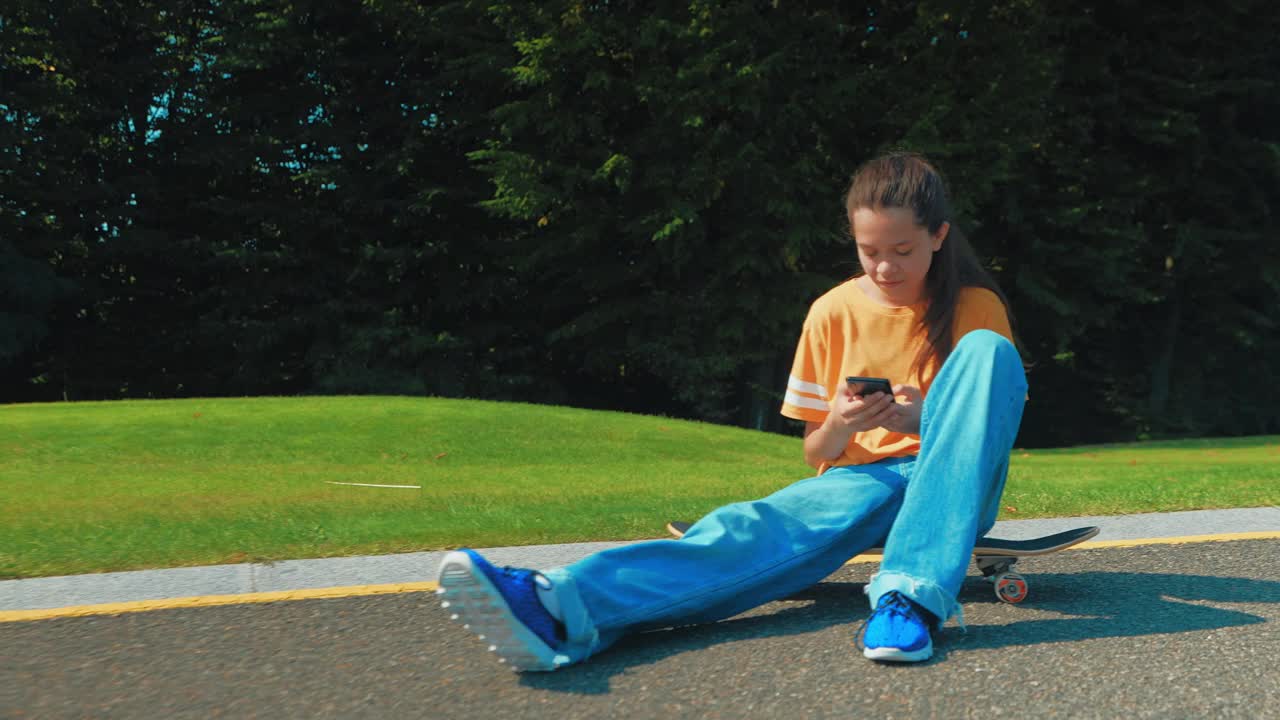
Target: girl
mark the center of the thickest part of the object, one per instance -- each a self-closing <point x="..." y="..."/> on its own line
<point x="920" y="471"/>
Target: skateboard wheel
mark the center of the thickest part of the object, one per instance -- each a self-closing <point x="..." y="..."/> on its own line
<point x="1011" y="587"/>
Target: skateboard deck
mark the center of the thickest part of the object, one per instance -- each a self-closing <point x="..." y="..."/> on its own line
<point x="993" y="556"/>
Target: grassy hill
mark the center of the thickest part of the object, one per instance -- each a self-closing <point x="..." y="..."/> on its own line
<point x="88" y="487"/>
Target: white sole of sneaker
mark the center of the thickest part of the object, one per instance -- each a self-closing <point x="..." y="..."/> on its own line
<point x="465" y="591"/>
<point x="889" y="654"/>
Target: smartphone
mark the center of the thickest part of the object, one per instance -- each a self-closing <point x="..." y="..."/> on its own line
<point x="867" y="385"/>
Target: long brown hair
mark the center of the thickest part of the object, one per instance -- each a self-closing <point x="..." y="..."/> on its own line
<point x="907" y="180"/>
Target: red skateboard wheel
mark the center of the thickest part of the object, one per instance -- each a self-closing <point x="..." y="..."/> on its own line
<point x="1011" y="587"/>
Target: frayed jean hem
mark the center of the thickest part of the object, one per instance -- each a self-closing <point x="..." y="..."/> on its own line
<point x="581" y="637"/>
<point x="928" y="595"/>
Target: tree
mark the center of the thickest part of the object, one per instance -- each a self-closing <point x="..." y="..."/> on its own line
<point x="1144" y="212"/>
<point x="693" y="156"/>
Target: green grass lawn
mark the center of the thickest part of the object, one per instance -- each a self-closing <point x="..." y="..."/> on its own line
<point x="88" y="487"/>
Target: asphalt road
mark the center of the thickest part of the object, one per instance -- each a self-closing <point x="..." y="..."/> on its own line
<point x="1164" y="631"/>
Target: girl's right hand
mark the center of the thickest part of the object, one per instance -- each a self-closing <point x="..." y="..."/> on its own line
<point x="860" y="414"/>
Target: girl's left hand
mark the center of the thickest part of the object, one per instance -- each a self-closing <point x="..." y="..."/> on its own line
<point x="906" y="411"/>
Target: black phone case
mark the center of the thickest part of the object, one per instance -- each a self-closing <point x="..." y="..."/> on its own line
<point x="866" y="385"/>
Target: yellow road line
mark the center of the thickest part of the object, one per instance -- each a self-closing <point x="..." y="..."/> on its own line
<point x="212" y="601"/>
<point x="1178" y="540"/>
<point x="1182" y="540"/>
<point x="391" y="588"/>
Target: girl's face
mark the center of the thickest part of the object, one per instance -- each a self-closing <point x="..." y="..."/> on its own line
<point x="895" y="252"/>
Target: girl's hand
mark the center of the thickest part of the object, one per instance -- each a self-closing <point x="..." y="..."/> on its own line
<point x="859" y="414"/>
<point x="905" y="416"/>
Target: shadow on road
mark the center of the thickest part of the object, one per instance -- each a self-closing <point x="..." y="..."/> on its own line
<point x="1119" y="604"/>
<point x="1092" y="605"/>
<point x="829" y="604"/>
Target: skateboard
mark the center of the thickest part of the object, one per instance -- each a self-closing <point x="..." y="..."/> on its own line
<point x="994" y="557"/>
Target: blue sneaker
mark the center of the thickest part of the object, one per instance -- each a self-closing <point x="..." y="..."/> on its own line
<point x="501" y="605"/>
<point x="898" y="630"/>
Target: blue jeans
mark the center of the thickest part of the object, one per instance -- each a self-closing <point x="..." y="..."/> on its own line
<point x="927" y="510"/>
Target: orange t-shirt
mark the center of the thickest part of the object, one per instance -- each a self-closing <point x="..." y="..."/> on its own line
<point x="847" y="333"/>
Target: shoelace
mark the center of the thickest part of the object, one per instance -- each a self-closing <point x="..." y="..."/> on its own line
<point x="515" y="573"/>
<point x="897" y="605"/>
<point x="859" y="637"/>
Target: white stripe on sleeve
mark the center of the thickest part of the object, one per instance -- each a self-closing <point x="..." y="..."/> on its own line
<point x="805" y="402"/>
<point x="795" y="383"/>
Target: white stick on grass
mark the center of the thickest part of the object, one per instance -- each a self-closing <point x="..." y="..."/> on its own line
<point x="415" y="487"/>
